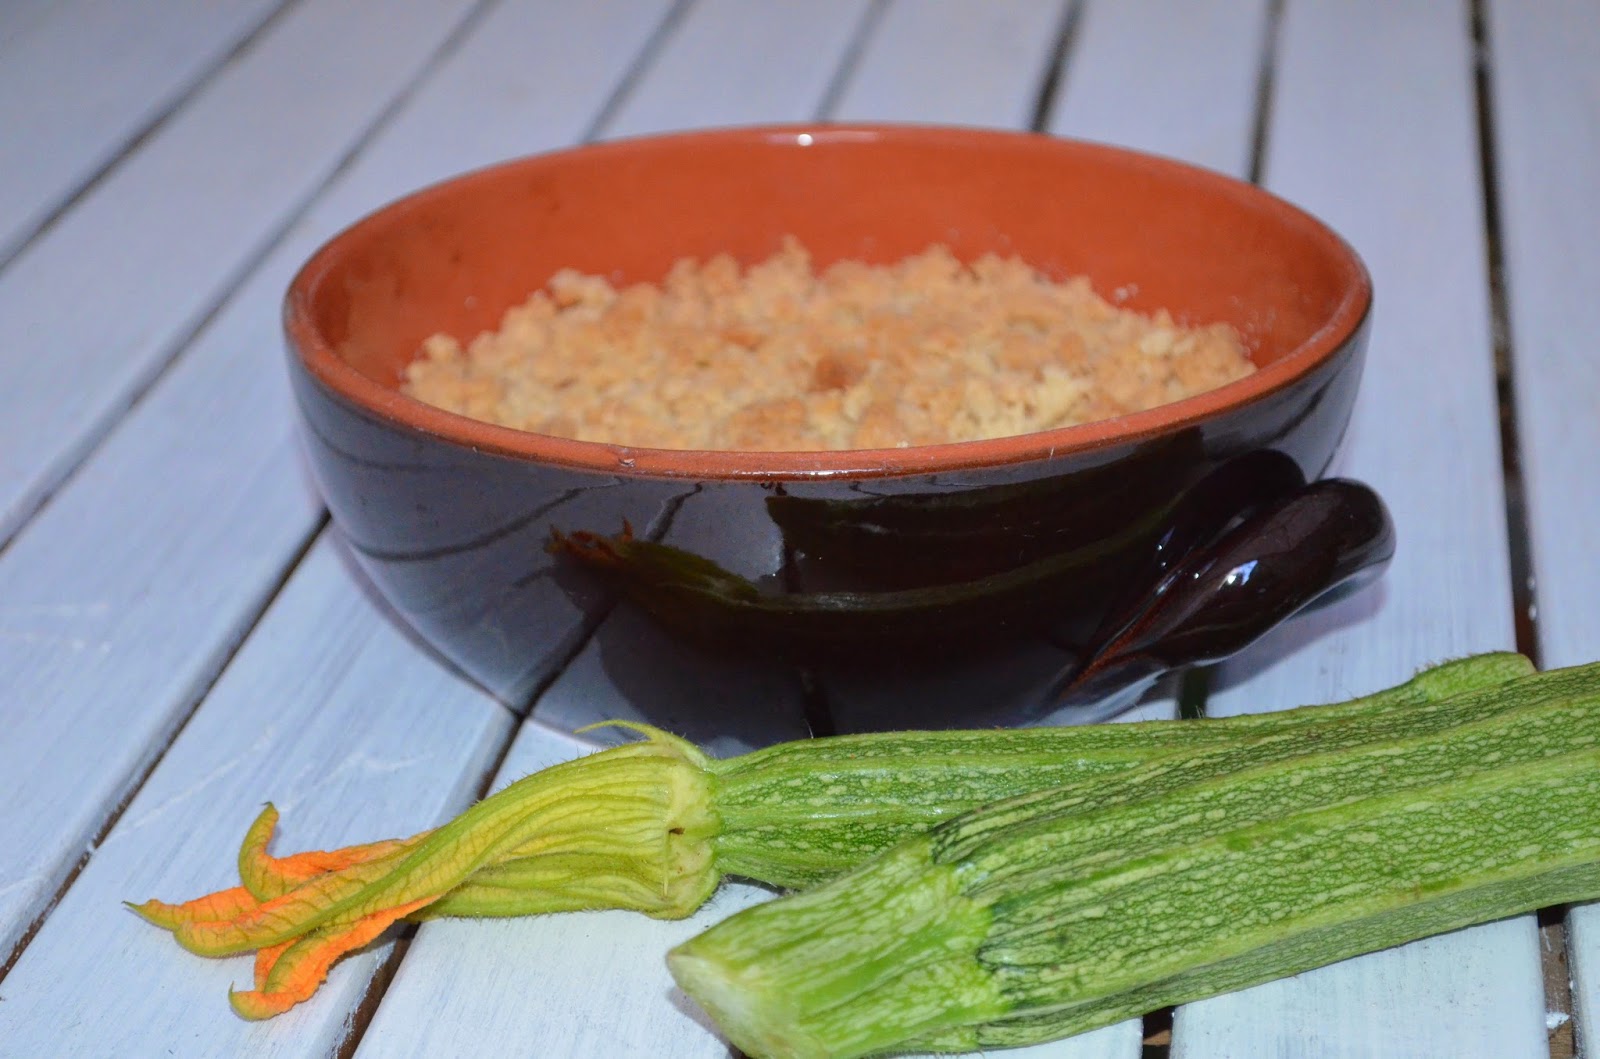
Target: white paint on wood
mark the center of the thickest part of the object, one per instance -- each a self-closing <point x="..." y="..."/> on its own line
<point x="1547" y="125"/>
<point x="78" y="85"/>
<point x="120" y="600"/>
<point x="123" y="597"/>
<point x="1175" y="79"/>
<point x="95" y="307"/>
<point x="330" y="712"/>
<point x="955" y="62"/>
<point x="1373" y="129"/>
<point x="730" y="62"/>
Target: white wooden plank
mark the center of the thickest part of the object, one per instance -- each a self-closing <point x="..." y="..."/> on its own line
<point x="330" y="712"/>
<point x="79" y="85"/>
<point x="957" y="62"/>
<point x="96" y="305"/>
<point x="1175" y="79"/>
<point x="1547" y="121"/>
<point x="1389" y="157"/>
<point x="730" y="62"/>
<point x="120" y="600"/>
<point x="1583" y="957"/>
<point x="399" y="160"/>
<point x="119" y="603"/>
<point x="86" y="79"/>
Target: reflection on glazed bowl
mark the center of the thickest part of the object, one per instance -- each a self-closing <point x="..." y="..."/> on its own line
<point x="752" y="596"/>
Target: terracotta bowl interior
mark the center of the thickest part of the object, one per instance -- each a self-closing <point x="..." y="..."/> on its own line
<point x="1148" y="232"/>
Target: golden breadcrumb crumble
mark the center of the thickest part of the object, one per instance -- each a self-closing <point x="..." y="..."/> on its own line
<point x="777" y="356"/>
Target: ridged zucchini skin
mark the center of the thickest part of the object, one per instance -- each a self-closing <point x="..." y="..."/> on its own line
<point x="799" y="813"/>
<point x="655" y="825"/>
<point x="1050" y="914"/>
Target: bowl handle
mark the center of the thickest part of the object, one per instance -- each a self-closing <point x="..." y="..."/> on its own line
<point x="1210" y="599"/>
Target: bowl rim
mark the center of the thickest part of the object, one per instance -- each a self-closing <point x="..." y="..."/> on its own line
<point x="314" y="353"/>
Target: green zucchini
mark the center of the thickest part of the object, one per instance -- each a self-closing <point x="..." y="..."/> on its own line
<point x="1059" y="911"/>
<point x="654" y="826"/>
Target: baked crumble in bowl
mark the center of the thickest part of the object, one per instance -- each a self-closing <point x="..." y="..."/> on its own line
<point x="749" y="594"/>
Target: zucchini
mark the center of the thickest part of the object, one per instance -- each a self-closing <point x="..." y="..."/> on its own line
<point x="655" y="825"/>
<point x="1057" y="912"/>
<point x="798" y="813"/>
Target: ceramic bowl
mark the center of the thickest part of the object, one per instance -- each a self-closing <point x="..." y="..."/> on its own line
<point x="754" y="596"/>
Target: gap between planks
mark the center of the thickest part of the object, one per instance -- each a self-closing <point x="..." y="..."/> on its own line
<point x="1194" y="686"/>
<point x="1060" y="54"/>
<point x="1557" y="978"/>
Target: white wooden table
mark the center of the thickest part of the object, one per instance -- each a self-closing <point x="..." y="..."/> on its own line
<point x="181" y="639"/>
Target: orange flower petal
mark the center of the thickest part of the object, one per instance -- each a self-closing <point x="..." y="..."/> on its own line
<point x="301" y="910"/>
<point x="269" y="877"/>
<point x="294" y="971"/>
<point x="224" y="904"/>
<point x="266" y="958"/>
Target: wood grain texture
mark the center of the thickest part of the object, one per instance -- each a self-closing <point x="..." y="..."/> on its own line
<point x="1373" y="129"/>
<point x="87" y="79"/>
<point x="332" y="713"/>
<point x="120" y="601"/>
<point x="101" y="301"/>
<point x="122" y="598"/>
<point x="1546" y="106"/>
<point x="955" y="62"/>
<point x="1174" y="79"/>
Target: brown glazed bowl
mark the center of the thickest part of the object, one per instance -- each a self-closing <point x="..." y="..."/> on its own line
<point x="753" y="596"/>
